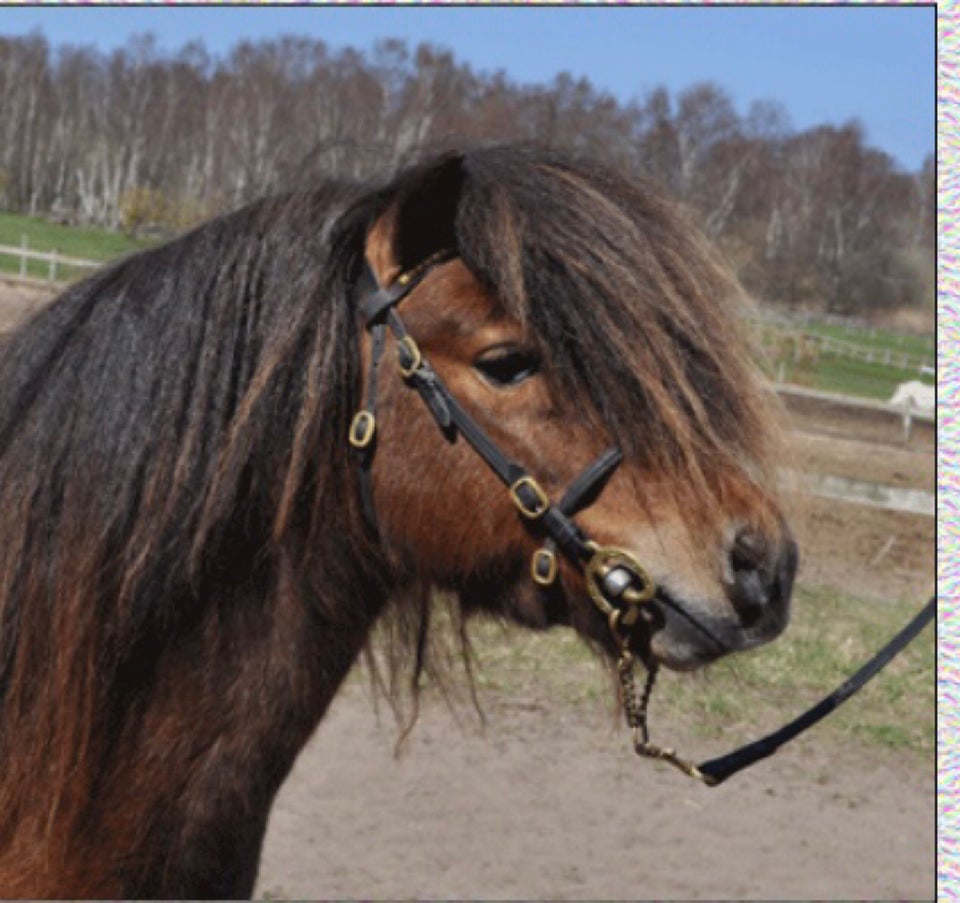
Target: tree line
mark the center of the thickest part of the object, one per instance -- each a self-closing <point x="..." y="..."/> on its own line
<point x="142" y="140"/>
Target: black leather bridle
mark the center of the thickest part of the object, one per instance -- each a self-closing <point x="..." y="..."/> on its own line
<point x="616" y="581"/>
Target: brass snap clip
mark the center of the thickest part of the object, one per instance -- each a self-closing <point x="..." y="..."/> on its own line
<point x="669" y="755"/>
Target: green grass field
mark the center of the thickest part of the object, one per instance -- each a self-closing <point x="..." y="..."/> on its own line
<point x="879" y="339"/>
<point x="82" y="243"/>
<point x="794" y="356"/>
<point x="845" y="376"/>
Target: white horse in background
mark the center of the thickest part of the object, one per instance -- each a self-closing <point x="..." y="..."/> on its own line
<point x="915" y="394"/>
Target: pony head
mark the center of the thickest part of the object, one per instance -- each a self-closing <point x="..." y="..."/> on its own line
<point x="573" y="310"/>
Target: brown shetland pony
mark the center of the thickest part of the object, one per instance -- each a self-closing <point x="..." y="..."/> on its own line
<point x="186" y="574"/>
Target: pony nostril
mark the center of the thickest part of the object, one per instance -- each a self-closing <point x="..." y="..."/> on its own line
<point x="748" y="552"/>
<point x="760" y="574"/>
<point x="753" y="583"/>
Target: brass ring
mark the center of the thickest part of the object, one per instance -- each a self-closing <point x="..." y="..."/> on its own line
<point x="602" y="561"/>
<point x="362" y="428"/>
<point x="547" y="578"/>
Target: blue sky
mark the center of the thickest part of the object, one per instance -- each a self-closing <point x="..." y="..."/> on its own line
<point x="824" y="64"/>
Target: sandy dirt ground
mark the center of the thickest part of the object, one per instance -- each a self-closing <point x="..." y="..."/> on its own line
<point x="870" y="552"/>
<point x="548" y="802"/>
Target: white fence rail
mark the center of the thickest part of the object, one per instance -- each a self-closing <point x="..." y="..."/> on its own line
<point x="887" y="356"/>
<point x="803" y="320"/>
<point x="55" y="262"/>
<point x="799" y="343"/>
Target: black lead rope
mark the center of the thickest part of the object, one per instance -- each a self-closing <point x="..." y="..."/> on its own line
<point x="716" y="771"/>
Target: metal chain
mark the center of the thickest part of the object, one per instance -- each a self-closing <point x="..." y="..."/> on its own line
<point x="635" y="710"/>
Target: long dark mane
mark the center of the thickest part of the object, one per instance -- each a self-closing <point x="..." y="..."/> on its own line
<point x="163" y="426"/>
<point x="177" y="423"/>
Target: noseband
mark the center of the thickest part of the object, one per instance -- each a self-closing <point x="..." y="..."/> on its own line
<point x="616" y="581"/>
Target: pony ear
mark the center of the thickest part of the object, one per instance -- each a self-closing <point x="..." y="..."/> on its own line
<point x="420" y="221"/>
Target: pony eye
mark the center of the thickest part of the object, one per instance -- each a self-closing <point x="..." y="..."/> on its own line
<point x="504" y="367"/>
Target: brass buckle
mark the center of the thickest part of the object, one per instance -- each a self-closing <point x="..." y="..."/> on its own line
<point x="550" y="574"/>
<point x="413" y="351"/>
<point x="542" y="503"/>
<point x="362" y="428"/>
<point x="603" y="560"/>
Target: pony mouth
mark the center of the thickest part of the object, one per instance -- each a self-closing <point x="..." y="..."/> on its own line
<point x="682" y="636"/>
